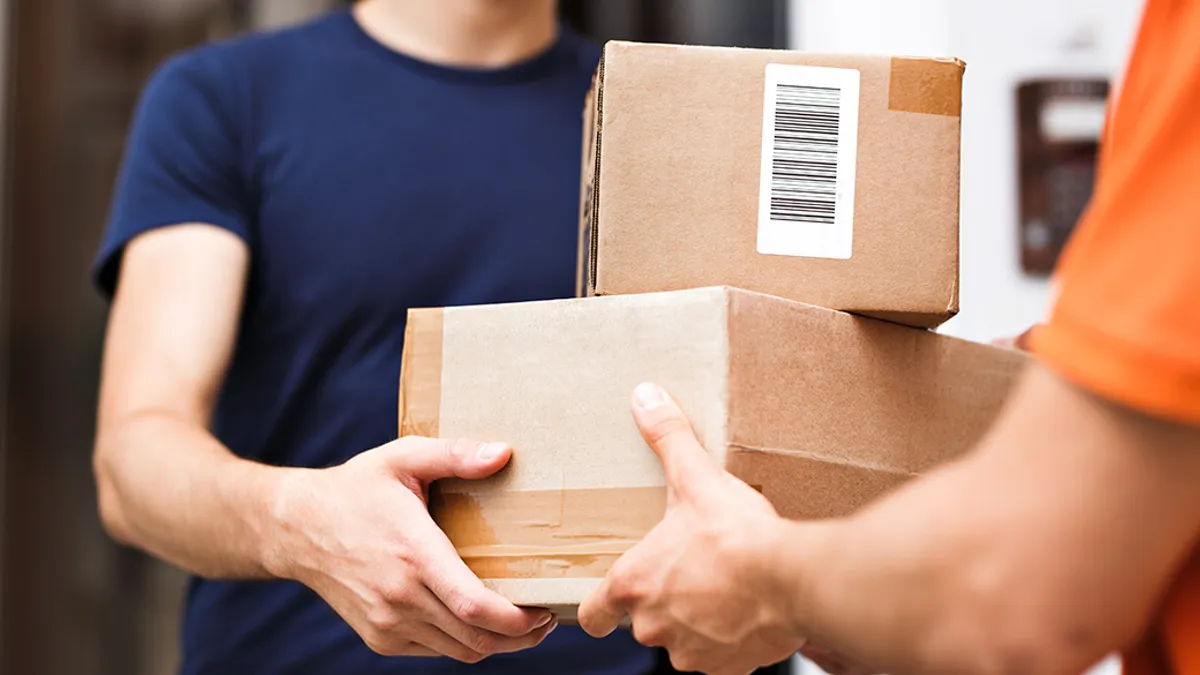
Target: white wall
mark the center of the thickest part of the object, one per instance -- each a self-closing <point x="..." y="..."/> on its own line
<point x="1002" y="42"/>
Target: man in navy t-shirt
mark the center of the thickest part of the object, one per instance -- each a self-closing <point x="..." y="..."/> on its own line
<point x="284" y="199"/>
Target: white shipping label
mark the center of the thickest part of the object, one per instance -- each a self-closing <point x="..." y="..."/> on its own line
<point x="809" y="157"/>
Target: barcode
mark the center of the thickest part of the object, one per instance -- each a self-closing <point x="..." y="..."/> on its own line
<point x="804" y="156"/>
<point x="808" y="161"/>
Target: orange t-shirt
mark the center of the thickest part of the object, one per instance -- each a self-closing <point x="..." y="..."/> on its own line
<point x="1126" y="324"/>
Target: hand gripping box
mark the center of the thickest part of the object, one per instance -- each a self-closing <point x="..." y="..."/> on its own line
<point x="822" y="411"/>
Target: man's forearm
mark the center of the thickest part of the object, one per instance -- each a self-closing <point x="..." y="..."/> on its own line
<point x="889" y="593"/>
<point x="170" y="488"/>
<point x="1041" y="552"/>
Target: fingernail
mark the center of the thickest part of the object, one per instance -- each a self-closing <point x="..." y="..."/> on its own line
<point x="490" y="451"/>
<point x="546" y="618"/>
<point x="649" y="396"/>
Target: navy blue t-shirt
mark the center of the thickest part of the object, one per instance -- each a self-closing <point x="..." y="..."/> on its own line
<point x="364" y="182"/>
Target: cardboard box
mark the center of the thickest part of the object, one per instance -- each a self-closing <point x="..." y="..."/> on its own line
<point x="832" y="180"/>
<point x="820" y="410"/>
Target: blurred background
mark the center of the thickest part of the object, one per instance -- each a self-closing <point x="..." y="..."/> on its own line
<point x="71" y="602"/>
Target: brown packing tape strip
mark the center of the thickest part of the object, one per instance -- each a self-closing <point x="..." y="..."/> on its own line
<point x="547" y="534"/>
<point x="421" y="374"/>
<point x="928" y="86"/>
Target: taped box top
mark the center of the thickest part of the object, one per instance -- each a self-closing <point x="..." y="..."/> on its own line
<point x="820" y="410"/>
<point x="828" y="179"/>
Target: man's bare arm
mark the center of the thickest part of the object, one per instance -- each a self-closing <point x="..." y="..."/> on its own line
<point x="359" y="534"/>
<point x="165" y="484"/>
<point x="1040" y="553"/>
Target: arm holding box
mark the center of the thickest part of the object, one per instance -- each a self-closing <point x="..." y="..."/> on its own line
<point x="1067" y="523"/>
<point x="359" y="534"/>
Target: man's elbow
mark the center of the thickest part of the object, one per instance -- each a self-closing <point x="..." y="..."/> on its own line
<point x="108" y="502"/>
<point x="1029" y="655"/>
<point x="1017" y="635"/>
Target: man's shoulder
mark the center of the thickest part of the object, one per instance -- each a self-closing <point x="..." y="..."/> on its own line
<point x="251" y="56"/>
<point x="227" y="75"/>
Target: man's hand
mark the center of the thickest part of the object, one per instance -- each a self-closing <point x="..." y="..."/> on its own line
<point x="696" y="584"/>
<point x="360" y="535"/>
<point x="1020" y="341"/>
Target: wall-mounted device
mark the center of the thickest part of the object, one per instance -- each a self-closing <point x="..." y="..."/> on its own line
<point x="1059" y="124"/>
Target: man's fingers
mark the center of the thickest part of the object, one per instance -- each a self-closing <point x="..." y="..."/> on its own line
<point x="668" y="432"/>
<point x="599" y="614"/>
<point x="429" y="459"/>
<point x="467" y="598"/>
<point x="438" y="641"/>
<point x="1021" y="342"/>
<point x="480" y="640"/>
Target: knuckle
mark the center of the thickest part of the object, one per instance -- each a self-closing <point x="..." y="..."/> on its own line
<point x="400" y="594"/>
<point x="685" y="662"/>
<point x="384" y="646"/>
<point x="667" y="428"/>
<point x="383" y="621"/>
<point x="472" y="657"/>
<point x="469" y="609"/>
<point x="623" y="587"/>
<point x="458" y="449"/>
<point x="409" y="557"/>
<point x="483" y="643"/>
<point x="651" y="634"/>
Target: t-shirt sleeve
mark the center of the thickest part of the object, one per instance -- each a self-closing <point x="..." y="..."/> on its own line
<point x="1126" y="323"/>
<point x="182" y="162"/>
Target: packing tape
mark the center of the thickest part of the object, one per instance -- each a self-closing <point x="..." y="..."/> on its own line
<point x="556" y="534"/>
<point x="928" y="86"/>
<point x="421" y="374"/>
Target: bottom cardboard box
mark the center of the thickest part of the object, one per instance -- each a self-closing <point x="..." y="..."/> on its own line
<point x="821" y="411"/>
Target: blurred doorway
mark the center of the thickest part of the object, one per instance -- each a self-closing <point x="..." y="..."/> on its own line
<point x="74" y="603"/>
<point x="728" y="23"/>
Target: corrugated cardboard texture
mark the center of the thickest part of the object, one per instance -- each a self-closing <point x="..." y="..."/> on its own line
<point x="587" y="184"/>
<point x="820" y="410"/>
<point x="421" y="373"/>
<point x="854" y="405"/>
<point x="676" y="201"/>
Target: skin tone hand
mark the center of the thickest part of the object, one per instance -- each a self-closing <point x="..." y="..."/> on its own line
<point x="1020" y="341"/>
<point x="702" y="555"/>
<point x="360" y="535"/>
<point x="1088" y="508"/>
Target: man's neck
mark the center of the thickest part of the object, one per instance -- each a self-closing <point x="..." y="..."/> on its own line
<point x="462" y="33"/>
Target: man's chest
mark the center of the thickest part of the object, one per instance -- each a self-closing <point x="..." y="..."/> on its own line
<point x="408" y="212"/>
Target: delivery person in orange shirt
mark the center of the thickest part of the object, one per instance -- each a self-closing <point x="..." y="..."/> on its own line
<point x="1070" y="532"/>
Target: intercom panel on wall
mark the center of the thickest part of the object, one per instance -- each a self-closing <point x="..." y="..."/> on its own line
<point x="1060" y="122"/>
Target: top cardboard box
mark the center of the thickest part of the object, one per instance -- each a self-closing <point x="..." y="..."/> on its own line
<point x="827" y="179"/>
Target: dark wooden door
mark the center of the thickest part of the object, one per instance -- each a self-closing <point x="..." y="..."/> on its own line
<point x="73" y="603"/>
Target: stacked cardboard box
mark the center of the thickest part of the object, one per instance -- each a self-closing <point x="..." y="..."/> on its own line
<point x="744" y="215"/>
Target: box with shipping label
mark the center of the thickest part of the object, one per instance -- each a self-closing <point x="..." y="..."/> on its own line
<point x="828" y="179"/>
<point x="820" y="410"/>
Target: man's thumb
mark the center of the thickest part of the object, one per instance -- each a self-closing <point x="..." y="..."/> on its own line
<point x="430" y="459"/>
<point x="668" y="432"/>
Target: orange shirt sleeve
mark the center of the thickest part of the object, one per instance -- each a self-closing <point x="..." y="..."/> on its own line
<point x="1126" y="324"/>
